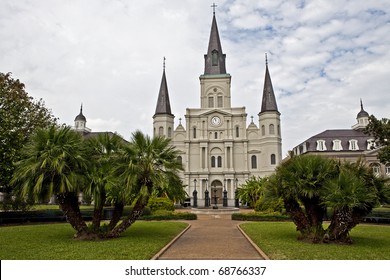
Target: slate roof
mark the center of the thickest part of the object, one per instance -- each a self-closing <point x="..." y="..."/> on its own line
<point x="344" y="135"/>
<point x="214" y="45"/>
<point x="163" y="105"/>
<point x="269" y="100"/>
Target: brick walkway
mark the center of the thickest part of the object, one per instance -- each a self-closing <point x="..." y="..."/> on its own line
<point x="212" y="237"/>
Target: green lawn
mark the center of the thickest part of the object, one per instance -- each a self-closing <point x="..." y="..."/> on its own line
<point x="279" y="241"/>
<point x="54" y="242"/>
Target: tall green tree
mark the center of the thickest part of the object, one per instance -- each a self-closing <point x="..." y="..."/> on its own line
<point x="380" y="129"/>
<point x="146" y="164"/>
<point x="20" y="116"/>
<point x="54" y="162"/>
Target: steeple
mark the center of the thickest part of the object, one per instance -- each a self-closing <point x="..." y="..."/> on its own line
<point x="215" y="58"/>
<point x="269" y="100"/>
<point x="362" y="118"/>
<point x="163" y="105"/>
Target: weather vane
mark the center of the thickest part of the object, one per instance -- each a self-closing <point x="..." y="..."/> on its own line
<point x="164" y="64"/>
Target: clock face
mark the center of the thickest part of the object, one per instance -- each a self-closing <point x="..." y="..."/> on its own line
<point x="215" y="120"/>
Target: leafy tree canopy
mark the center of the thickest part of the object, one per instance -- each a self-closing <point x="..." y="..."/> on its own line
<point x="380" y="129"/>
<point x="20" y="115"/>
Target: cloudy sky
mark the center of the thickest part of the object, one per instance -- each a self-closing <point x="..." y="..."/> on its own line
<point x="324" y="55"/>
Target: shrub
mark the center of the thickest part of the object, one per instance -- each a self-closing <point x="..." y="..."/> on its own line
<point x="161" y="203"/>
<point x="260" y="216"/>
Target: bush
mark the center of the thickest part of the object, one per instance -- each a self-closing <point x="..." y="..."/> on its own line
<point x="169" y="215"/>
<point x="260" y="216"/>
<point x="161" y="203"/>
<point x="269" y="205"/>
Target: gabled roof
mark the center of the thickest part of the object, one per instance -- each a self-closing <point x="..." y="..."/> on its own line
<point x="216" y="65"/>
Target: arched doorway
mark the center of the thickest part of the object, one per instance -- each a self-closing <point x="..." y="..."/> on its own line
<point x="216" y="192"/>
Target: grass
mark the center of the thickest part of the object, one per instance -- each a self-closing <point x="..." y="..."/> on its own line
<point x="279" y="241"/>
<point x="54" y="242"/>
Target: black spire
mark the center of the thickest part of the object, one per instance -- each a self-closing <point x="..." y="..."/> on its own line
<point x="269" y="100"/>
<point x="215" y="58"/>
<point x="163" y="104"/>
<point x="80" y="117"/>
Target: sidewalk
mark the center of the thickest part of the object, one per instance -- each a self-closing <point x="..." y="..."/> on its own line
<point x="212" y="237"/>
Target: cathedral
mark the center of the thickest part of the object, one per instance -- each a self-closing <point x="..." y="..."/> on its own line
<point x="218" y="150"/>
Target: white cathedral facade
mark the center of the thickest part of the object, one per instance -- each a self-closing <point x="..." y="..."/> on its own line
<point x="218" y="150"/>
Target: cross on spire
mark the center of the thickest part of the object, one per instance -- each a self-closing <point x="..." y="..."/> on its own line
<point x="266" y="59"/>
<point x="164" y="63"/>
<point x="214" y="6"/>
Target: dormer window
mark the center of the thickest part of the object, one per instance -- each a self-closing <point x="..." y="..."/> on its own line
<point x="337" y="145"/>
<point x="371" y="145"/>
<point x="353" y="145"/>
<point x="214" y="58"/>
<point x="321" y="145"/>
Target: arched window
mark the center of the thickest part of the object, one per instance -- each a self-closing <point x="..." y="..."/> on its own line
<point x="160" y="131"/>
<point x="271" y="129"/>
<point x="219" y="101"/>
<point x="180" y="160"/>
<point x="353" y="145"/>
<point x="279" y="130"/>
<point x="194" y="132"/>
<point x="337" y="145"/>
<point x="237" y="131"/>
<point x="263" y="130"/>
<point x="169" y="132"/>
<point x="211" y="101"/>
<point x="219" y="161"/>
<point x="387" y="169"/>
<point x="213" y="161"/>
<point x="273" y="159"/>
<point x="215" y="135"/>
<point x="321" y="145"/>
<point x="254" y="162"/>
<point x="214" y="57"/>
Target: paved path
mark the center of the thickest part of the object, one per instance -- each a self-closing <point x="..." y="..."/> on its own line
<point x="212" y="237"/>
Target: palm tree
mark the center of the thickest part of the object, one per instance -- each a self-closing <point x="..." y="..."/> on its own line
<point x="351" y="195"/>
<point x="252" y="190"/>
<point x="300" y="181"/>
<point x="146" y="164"/>
<point x="103" y="150"/>
<point x="53" y="163"/>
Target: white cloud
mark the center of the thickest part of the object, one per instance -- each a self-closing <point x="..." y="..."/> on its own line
<point x="323" y="57"/>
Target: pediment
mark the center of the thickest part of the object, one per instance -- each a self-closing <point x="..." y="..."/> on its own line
<point x="216" y="111"/>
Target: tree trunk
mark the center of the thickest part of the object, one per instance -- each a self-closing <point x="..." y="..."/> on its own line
<point x="116" y="215"/>
<point x="340" y="226"/>
<point x="315" y="214"/>
<point x="297" y="215"/>
<point x="69" y="205"/>
<point x="97" y="213"/>
<point x="131" y="218"/>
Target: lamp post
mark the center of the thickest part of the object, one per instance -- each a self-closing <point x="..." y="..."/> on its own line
<point x="236" y="202"/>
<point x="215" y="197"/>
<point x="225" y="199"/>
<point x="206" y="196"/>
<point x="195" y="195"/>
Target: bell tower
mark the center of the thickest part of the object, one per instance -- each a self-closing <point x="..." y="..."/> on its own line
<point x="163" y="119"/>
